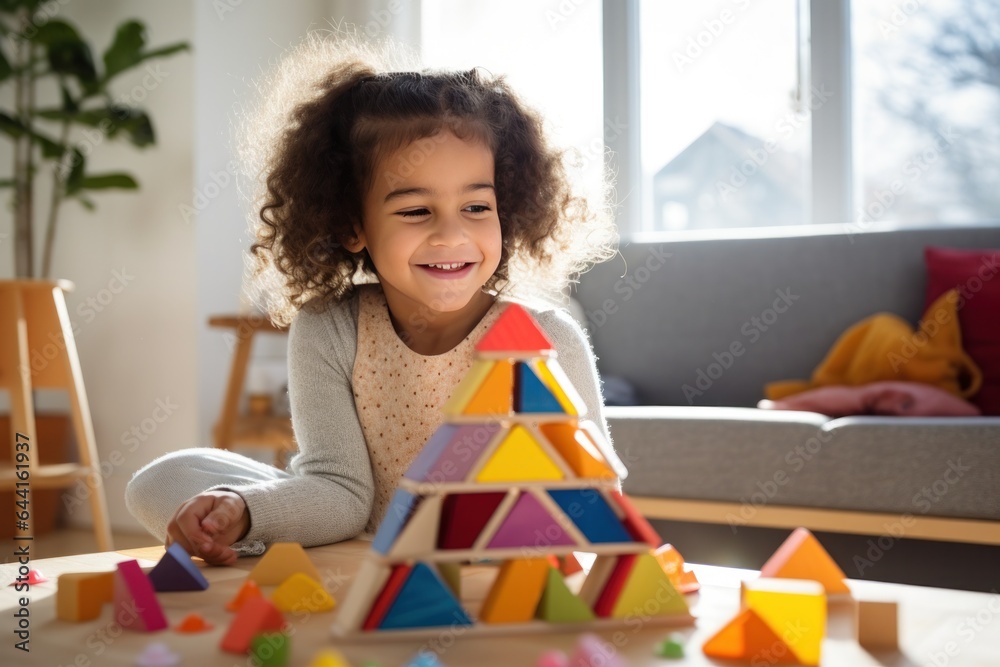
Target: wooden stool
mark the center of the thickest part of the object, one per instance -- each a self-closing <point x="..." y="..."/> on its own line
<point x="267" y="431"/>
<point x="38" y="351"/>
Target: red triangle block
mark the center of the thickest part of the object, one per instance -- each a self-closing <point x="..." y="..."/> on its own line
<point x="463" y="517"/>
<point x="616" y="582"/>
<point x="398" y="576"/>
<point x="257" y="615"/>
<point x="515" y="331"/>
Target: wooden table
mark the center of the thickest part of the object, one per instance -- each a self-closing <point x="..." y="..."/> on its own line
<point x="938" y="627"/>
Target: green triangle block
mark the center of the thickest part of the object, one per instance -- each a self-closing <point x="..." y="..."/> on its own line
<point x="559" y="605"/>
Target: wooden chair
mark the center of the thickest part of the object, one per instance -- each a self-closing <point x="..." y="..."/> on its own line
<point x="38" y="351"/>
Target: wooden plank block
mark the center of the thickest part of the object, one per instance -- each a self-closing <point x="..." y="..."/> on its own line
<point x="420" y="534"/>
<point x="878" y="625"/>
<point x="365" y="588"/>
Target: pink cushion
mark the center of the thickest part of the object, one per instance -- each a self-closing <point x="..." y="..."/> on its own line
<point x="901" y="399"/>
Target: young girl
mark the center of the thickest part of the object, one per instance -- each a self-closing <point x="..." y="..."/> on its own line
<point x="399" y="210"/>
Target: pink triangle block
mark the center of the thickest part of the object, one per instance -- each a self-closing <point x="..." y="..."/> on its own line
<point x="529" y="524"/>
<point x="136" y="606"/>
<point x="34" y="577"/>
<point x="451" y="452"/>
<point x="592" y="651"/>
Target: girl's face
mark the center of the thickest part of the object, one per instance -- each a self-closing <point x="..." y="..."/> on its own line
<point x="431" y="225"/>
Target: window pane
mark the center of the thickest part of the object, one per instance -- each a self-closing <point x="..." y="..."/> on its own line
<point x="724" y="143"/>
<point x="927" y="101"/>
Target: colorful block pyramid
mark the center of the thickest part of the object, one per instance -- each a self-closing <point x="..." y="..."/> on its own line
<point x="516" y="477"/>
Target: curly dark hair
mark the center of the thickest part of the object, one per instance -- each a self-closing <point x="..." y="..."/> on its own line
<point x="320" y="160"/>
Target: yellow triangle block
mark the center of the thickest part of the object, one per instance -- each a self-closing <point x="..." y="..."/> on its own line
<point x="329" y="658"/>
<point x="801" y="556"/>
<point x="648" y="591"/>
<point x="519" y="458"/>
<point x="281" y="561"/>
<point x="555" y="380"/>
<point x="516" y="591"/>
<point x="795" y="609"/>
<point x="468" y="387"/>
<point x="577" y="449"/>
<point x="748" y="637"/>
<point x="302" y="592"/>
<point x="495" y="394"/>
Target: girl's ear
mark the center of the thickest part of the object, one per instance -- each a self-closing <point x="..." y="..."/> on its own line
<point x="357" y="244"/>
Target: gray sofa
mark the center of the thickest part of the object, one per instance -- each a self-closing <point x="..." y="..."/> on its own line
<point x="698" y="327"/>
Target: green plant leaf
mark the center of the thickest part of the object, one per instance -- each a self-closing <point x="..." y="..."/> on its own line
<point x="74" y="181"/>
<point x="5" y="68"/>
<point x="68" y="103"/>
<point x="13" y="128"/>
<point x="85" y="202"/>
<point x="126" y="48"/>
<point x="6" y="182"/>
<point x="112" y="120"/>
<point x="107" y="181"/>
<point x="73" y="59"/>
<point x="54" y="31"/>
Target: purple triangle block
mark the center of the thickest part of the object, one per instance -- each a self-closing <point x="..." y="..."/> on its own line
<point x="177" y="572"/>
<point x="451" y="452"/>
<point x="529" y="524"/>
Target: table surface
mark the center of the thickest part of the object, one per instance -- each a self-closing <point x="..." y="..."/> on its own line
<point x="937" y="627"/>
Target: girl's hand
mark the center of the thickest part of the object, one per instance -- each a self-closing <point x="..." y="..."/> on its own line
<point x="207" y="524"/>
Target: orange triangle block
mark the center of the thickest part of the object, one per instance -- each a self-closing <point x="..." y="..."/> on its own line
<point x="247" y="591"/>
<point x="515" y="331"/>
<point x="519" y="458"/>
<point x="749" y="638"/>
<point x="801" y="556"/>
<point x="495" y="395"/>
<point x="515" y="592"/>
<point x="577" y="449"/>
<point x="468" y="387"/>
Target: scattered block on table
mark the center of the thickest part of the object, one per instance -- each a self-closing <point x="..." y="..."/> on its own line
<point x="301" y="592"/>
<point x="615" y="584"/>
<point x="393" y="584"/>
<point x="673" y="564"/>
<point x="157" y="654"/>
<point x="635" y="523"/>
<point x="648" y="592"/>
<point x="247" y="591"/>
<point x="801" y="556"/>
<point x="531" y="395"/>
<point x="467" y="387"/>
<point x="401" y="508"/>
<point x="519" y="458"/>
<point x="192" y="623"/>
<point x="592" y="515"/>
<point x="552" y="658"/>
<point x="592" y="651"/>
<point x="463" y="517"/>
<point x="80" y="595"/>
<point x="515" y="592"/>
<point x="281" y="561"/>
<point x="420" y="534"/>
<point x="748" y="637"/>
<point x="558" y="604"/>
<point x="672" y="647"/>
<point x="257" y="615"/>
<point x="515" y="334"/>
<point x="495" y="392"/>
<point x="577" y="449"/>
<point x="451" y="452"/>
<point x="34" y="577"/>
<point x="329" y="658"/>
<point x="424" y="601"/>
<point x="597" y="578"/>
<point x="555" y="379"/>
<point x="878" y="625"/>
<point x="424" y="659"/>
<point x="526" y="523"/>
<point x="177" y="572"/>
<point x="270" y="649"/>
<point x="136" y="606"/>
<point x="791" y="603"/>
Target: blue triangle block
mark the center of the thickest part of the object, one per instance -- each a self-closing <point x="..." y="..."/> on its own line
<point x="592" y="515"/>
<point x="400" y="510"/>
<point x="424" y="601"/>
<point x="532" y="395"/>
<point x="177" y="572"/>
<point x="424" y="659"/>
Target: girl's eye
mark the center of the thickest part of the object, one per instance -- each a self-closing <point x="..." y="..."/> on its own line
<point x="415" y="213"/>
<point x="482" y="208"/>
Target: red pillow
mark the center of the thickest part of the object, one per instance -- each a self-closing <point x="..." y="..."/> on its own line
<point x="976" y="274"/>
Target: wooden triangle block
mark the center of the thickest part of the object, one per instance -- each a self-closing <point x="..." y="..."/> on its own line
<point x="613" y="588"/>
<point x="248" y="590"/>
<point x="400" y="510"/>
<point x="451" y="452"/>
<point x="495" y="395"/>
<point x="558" y="604"/>
<point x="136" y="606"/>
<point x="463" y="517"/>
<point x="597" y="579"/>
<point x="592" y="515"/>
<point x="648" y="591"/>
<point x="388" y="595"/>
<point x="673" y="565"/>
<point x="577" y="450"/>
<point x="519" y="458"/>
<point x="177" y="572"/>
<point x="365" y="588"/>
<point x="467" y="387"/>
<point x="635" y="522"/>
<point x="515" y="331"/>
<point x="80" y="596"/>
<point x="529" y="524"/>
<point x="424" y="601"/>
<point x="281" y="561"/>
<point x="791" y="603"/>
<point x="301" y="592"/>
<point x="419" y="536"/>
<point x="748" y="637"/>
<point x="515" y="592"/>
<point x="801" y="556"/>
<point x="532" y="395"/>
<point x="257" y="615"/>
<point x="549" y="372"/>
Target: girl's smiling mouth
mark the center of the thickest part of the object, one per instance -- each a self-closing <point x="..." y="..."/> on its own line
<point x="448" y="270"/>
